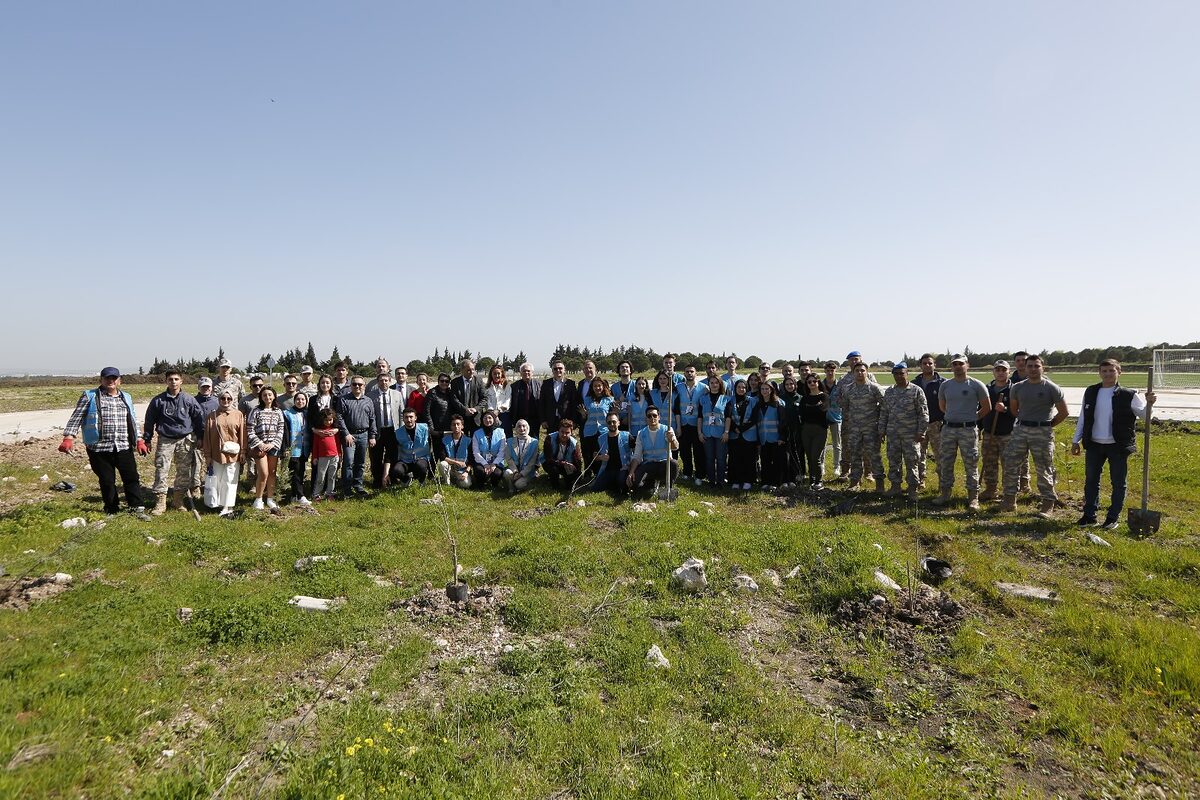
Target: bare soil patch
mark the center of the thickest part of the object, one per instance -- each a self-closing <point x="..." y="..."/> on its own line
<point x="23" y="593"/>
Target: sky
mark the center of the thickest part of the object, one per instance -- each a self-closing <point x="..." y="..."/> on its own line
<point x="769" y="178"/>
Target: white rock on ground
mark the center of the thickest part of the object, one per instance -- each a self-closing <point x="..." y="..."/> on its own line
<point x="153" y="541"/>
<point x="692" y="513"/>
<point x="306" y="563"/>
<point x="795" y="573"/>
<point x="306" y="603"/>
<point x="73" y="522"/>
<point x="62" y="578"/>
<point x="772" y="577"/>
<point x="436" y="500"/>
<point x="656" y="659"/>
<point x="644" y="508"/>
<point x="1094" y="539"/>
<point x="690" y="577"/>
<point x="184" y="615"/>
<point x="1028" y="592"/>
<point x="883" y="580"/>
<point x="744" y="583"/>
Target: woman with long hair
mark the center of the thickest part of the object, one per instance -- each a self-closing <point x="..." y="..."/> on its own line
<point x="743" y="413"/>
<point x="499" y="397"/>
<point x="264" y="432"/>
<point x="638" y="402"/>
<point x="596" y="405"/>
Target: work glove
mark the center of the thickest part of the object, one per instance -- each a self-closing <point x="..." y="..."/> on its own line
<point x="142" y="447"/>
<point x="68" y="442"/>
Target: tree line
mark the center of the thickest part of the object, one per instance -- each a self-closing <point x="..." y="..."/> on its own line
<point x="642" y="359"/>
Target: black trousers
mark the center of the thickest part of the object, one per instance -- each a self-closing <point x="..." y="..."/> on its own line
<point x="691" y="450"/>
<point x="482" y="479"/>
<point x="385" y="453"/>
<point x="651" y="471"/>
<point x="106" y="466"/>
<point x="774" y="462"/>
<point x="743" y="460"/>
<point x="419" y="470"/>
<point x="296" y="467"/>
<point x="591" y="446"/>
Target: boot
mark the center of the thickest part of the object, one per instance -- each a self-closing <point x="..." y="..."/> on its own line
<point x="892" y="492"/>
<point x="177" y="500"/>
<point x="973" y="500"/>
<point x="1046" y="509"/>
<point x="1009" y="503"/>
<point x="912" y="495"/>
<point x="881" y="489"/>
<point x="988" y="495"/>
<point x="943" y="498"/>
<point x="160" y="505"/>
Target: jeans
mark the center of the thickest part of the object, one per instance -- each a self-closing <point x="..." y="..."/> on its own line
<point x="354" y="462"/>
<point x="1118" y="471"/>
<point x="714" y="459"/>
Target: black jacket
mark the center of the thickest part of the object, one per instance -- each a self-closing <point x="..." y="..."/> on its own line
<point x="438" y="410"/>
<point x="526" y="404"/>
<point x="472" y="395"/>
<point x="553" y="413"/>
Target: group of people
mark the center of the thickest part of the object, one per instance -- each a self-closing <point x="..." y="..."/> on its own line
<point x="719" y="429"/>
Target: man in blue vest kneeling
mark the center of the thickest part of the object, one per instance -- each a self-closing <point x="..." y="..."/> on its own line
<point x="110" y="434"/>
<point x="652" y="453"/>
<point x="414" y="454"/>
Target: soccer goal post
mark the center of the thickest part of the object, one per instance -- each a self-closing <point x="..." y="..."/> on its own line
<point x="1177" y="369"/>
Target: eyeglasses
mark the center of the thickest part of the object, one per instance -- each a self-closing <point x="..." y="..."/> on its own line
<point x="358" y="385"/>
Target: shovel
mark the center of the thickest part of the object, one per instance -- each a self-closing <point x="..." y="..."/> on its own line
<point x="1143" y="522"/>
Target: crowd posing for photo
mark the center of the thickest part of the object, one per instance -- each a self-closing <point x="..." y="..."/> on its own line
<point x="723" y="430"/>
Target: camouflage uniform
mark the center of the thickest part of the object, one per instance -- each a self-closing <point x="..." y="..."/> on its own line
<point x="903" y="418"/>
<point x="996" y="428"/>
<point x="233" y="384"/>
<point x="841" y="387"/>
<point x="860" y="429"/>
<point x="954" y="441"/>
<point x="1025" y="440"/>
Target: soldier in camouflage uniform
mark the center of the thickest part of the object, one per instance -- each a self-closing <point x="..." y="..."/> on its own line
<point x="226" y="380"/>
<point x="903" y="420"/>
<point x="854" y="358"/>
<point x="861" y="403"/>
<point x="1039" y="407"/>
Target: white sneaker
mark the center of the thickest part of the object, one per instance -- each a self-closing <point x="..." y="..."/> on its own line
<point x="699" y="481"/>
<point x="258" y="504"/>
<point x="745" y="487"/>
<point x="226" y="512"/>
<point x="271" y="504"/>
<point x="304" y="501"/>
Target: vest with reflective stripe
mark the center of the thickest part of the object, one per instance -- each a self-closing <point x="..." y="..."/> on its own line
<point x="751" y="435"/>
<point x="492" y="448"/>
<point x="768" y="424"/>
<point x="460" y="451"/>
<point x="518" y="458"/>
<point x="654" y="444"/>
<point x="597" y="410"/>
<point x="624" y="454"/>
<point x="712" y="415"/>
<point x="415" y="447"/>
<point x="551" y="448"/>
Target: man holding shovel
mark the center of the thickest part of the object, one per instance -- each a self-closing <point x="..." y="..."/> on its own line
<point x="1106" y="431"/>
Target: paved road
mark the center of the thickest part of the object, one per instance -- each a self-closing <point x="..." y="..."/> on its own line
<point x="20" y="425"/>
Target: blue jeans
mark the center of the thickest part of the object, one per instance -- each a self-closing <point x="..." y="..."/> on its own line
<point x="714" y="459"/>
<point x="354" y="460"/>
<point x="1118" y="471"/>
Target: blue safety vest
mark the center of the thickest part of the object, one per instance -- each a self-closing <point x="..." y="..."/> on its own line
<point x="637" y="413"/>
<point x="712" y="415"/>
<point x="460" y="451"/>
<point x="551" y="448"/>
<point x="730" y="381"/>
<point x="751" y="435"/>
<point x="621" y="395"/>
<point x="624" y="448"/>
<point x="491" y="449"/>
<point x="664" y="401"/>
<point x="415" y="447"/>
<point x="597" y="410"/>
<point x="654" y="444"/>
<point x="768" y="423"/>
<point x="297" y="427"/>
<point x="91" y="424"/>
<point x="689" y="403"/>
<point x="521" y="458"/>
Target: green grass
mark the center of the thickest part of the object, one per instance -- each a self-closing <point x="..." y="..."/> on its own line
<point x="36" y="398"/>
<point x="771" y="696"/>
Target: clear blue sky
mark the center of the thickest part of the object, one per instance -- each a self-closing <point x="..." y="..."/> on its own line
<point x="769" y="178"/>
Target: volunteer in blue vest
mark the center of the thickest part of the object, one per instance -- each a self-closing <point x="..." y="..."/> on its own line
<point x="742" y="413"/>
<point x="106" y="417"/>
<point x="560" y="455"/>
<point x="652" y="453"/>
<point x="621" y="390"/>
<point x="730" y="378"/>
<point x="179" y="422"/>
<point x="665" y="397"/>
<point x="596" y="405"/>
<point x="771" y="438"/>
<point x="455" y="466"/>
<point x="520" y="458"/>
<point x="690" y="447"/>
<point x="415" y="457"/>
<point x="616" y="451"/>
<point x="668" y="367"/>
<point x="713" y="429"/>
<point x="1105" y="432"/>
<point x="639" y="401"/>
<point x="487" y="451"/>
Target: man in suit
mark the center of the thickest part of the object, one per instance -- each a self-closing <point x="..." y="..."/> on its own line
<point x="471" y="392"/>
<point x="558" y="397"/>
<point x="388" y="409"/>
<point x="526" y="399"/>
<point x="402" y="386"/>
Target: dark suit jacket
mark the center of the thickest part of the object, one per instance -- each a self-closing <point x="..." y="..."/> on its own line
<point x="554" y="413"/>
<point x="526" y="404"/>
<point x="472" y="394"/>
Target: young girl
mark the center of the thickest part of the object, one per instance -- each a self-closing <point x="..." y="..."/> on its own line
<point x="814" y="425"/>
<point x="264" y="432"/>
<point x="326" y="455"/>
<point x="296" y="443"/>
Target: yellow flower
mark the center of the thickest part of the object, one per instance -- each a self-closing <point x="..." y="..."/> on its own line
<point x="350" y="750"/>
<point x="387" y="727"/>
<point x="108" y="738"/>
<point x="357" y="740"/>
<point x="385" y="750"/>
<point x="445" y="740"/>
<point x="341" y="797"/>
<point x="62" y="674"/>
<point x="369" y="742"/>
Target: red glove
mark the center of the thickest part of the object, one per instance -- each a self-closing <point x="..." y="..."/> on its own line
<point x="67" y="443"/>
<point x="142" y="447"/>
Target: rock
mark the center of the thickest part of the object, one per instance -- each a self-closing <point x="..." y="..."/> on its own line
<point x="9" y="479"/>
<point x="508" y="648"/>
<point x="268" y="545"/>
<point x="99" y="525"/>
<point x="477" y="572"/>
<point x="306" y="603"/>
<point x="795" y="573"/>
<point x="744" y="583"/>
<point x="581" y="503"/>
<point x="441" y="644"/>
<point x="184" y="615"/>
<point x="73" y="522"/>
<point x="883" y="580"/>
<point x="645" y="508"/>
<point x="1094" y="539"/>
<point x="878" y="600"/>
<point x="436" y="500"/>
<point x="656" y="659"/>
<point x="44" y="479"/>
<point x="168" y="753"/>
<point x="690" y="577"/>
<point x="706" y="504"/>
<point x="153" y="541"/>
<point x="28" y="552"/>
<point x="772" y="577"/>
<point x="304" y="564"/>
<point x="692" y="513"/>
<point x="1028" y="592"/>
<point x="62" y="578"/>
<point x="877" y="546"/>
<point x="63" y="486"/>
<point x="381" y="581"/>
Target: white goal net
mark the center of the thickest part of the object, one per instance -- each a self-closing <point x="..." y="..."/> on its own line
<point x="1177" y="369"/>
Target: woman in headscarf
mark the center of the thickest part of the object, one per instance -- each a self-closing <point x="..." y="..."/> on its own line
<point x="224" y="448"/>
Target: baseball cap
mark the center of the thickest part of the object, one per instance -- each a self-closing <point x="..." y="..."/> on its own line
<point x="1001" y="363"/>
<point x="306" y="370"/>
<point x="958" y="358"/>
<point x="854" y="354"/>
<point x="110" y="372"/>
<point x="224" y="362"/>
<point x="204" y="381"/>
<point x="899" y="365"/>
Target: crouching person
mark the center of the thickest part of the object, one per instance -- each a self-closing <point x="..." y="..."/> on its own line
<point x="414" y="456"/>
<point x="652" y="453"/>
<point x="613" y="457"/>
<point x="560" y="455"/>
<point x="456" y="448"/>
<point x="520" y="458"/>
<point x="487" y="444"/>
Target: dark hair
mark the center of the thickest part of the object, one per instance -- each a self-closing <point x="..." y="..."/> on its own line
<point x="274" y="400"/>
<point x="445" y="375"/>
<point x="1110" y="362"/>
<point x="453" y="417"/>
<point x="566" y="422"/>
<point x="603" y="383"/>
<point x="1020" y="353"/>
<point x="328" y="417"/>
<point x="624" y="361"/>
<point x="1034" y="357"/>
<point x="662" y="373"/>
<point x="616" y="414"/>
<point x="740" y="382"/>
<point x="925" y="356"/>
<point x="171" y="372"/>
<point x="803" y="364"/>
<point x="711" y="363"/>
<point x="771" y="386"/>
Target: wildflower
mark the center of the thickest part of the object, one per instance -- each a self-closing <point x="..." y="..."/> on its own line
<point x="108" y="738"/>
<point x="350" y="750"/>
<point x="369" y="742"/>
<point x="385" y="750"/>
<point x="341" y="797"/>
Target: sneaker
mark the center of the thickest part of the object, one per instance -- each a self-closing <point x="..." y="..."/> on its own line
<point x="768" y="488"/>
<point x="271" y="504"/>
<point x="226" y="512"/>
<point x="818" y="486"/>
<point x="304" y="501"/>
<point x="1111" y="524"/>
<point x="1086" y="521"/>
<point x="319" y="498"/>
<point x="258" y="504"/>
<point x="699" y="481"/>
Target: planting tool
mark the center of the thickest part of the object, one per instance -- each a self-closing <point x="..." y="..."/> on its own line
<point x="1142" y="521"/>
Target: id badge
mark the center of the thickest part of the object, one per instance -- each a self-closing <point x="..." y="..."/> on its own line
<point x="712" y="419"/>
<point x="689" y="410"/>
